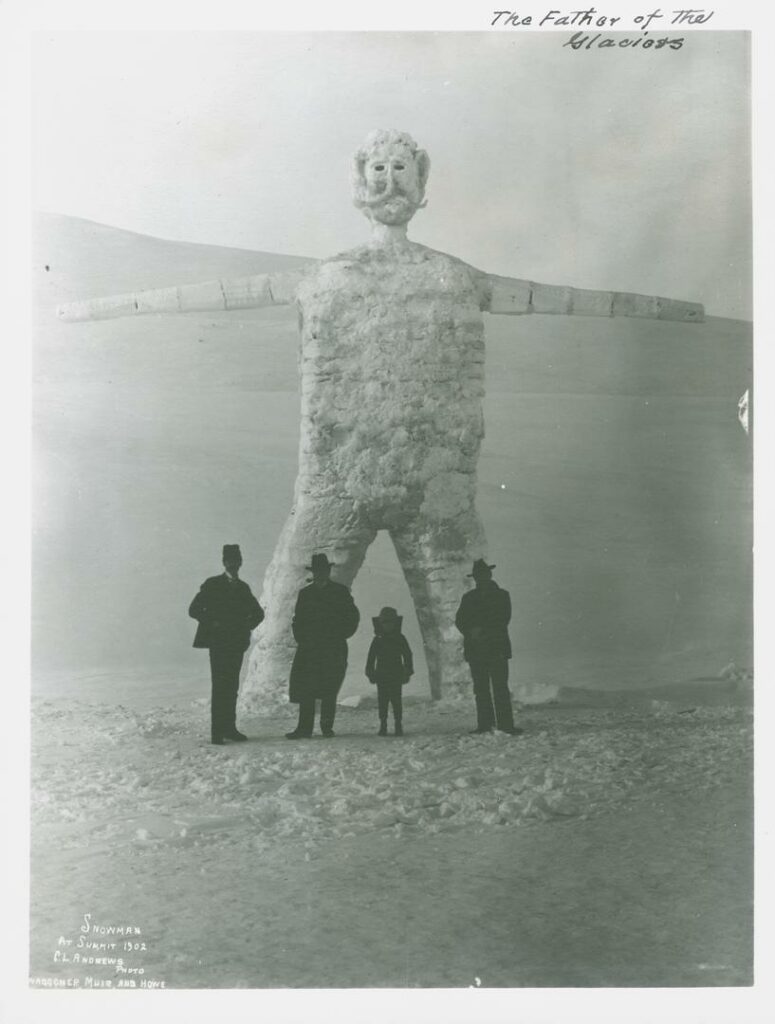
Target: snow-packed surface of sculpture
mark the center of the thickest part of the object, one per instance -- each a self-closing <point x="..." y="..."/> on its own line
<point x="392" y="382"/>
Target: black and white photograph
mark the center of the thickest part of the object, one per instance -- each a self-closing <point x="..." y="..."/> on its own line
<point x="392" y="438"/>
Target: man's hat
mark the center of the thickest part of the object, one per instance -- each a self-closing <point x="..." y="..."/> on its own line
<point x="319" y="562"/>
<point x="481" y="568"/>
<point x="231" y="551"/>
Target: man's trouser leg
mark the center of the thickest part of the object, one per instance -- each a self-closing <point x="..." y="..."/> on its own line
<point x="499" y="674"/>
<point x="331" y="679"/>
<point x="306" y="716"/>
<point x="225" y="663"/>
<point x="480" y="674"/>
<point x="328" y="712"/>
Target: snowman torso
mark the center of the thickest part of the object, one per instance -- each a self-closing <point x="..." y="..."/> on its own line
<point x="392" y="379"/>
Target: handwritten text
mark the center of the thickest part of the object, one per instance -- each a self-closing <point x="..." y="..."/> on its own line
<point x="590" y="17"/>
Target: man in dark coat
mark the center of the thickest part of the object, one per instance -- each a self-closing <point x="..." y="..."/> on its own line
<point x="483" y="618"/>
<point x="324" y="619"/>
<point x="226" y="611"/>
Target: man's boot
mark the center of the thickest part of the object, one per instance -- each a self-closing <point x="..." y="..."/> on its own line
<point x="485" y="714"/>
<point x="303" y="730"/>
<point x="327" y="714"/>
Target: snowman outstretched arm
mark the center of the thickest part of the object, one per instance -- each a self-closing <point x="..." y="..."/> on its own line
<point x="513" y="296"/>
<point x="209" y="296"/>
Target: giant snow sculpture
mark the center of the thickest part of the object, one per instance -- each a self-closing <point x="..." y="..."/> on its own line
<point x="392" y="380"/>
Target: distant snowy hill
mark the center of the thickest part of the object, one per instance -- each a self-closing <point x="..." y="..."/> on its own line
<point x="615" y="482"/>
<point x="80" y="253"/>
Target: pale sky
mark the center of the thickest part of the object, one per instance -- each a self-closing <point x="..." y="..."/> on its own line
<point x="617" y="169"/>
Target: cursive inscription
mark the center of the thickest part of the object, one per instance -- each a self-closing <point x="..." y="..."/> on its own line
<point x="590" y="18"/>
<point x="582" y="41"/>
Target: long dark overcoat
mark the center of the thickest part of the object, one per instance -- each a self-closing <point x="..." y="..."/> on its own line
<point x="483" y="618"/>
<point x="324" y="619"/>
<point x="226" y="611"/>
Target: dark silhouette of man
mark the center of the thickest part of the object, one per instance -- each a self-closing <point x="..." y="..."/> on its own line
<point x="324" y="619"/>
<point x="226" y="611"/>
<point x="483" y="618"/>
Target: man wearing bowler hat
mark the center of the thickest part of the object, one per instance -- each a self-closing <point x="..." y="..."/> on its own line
<point x="324" y="619"/>
<point x="483" y="618"/>
<point x="226" y="611"/>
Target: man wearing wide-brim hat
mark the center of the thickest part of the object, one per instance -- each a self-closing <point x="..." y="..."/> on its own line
<point x="324" y="619"/>
<point x="226" y="611"/>
<point x="483" y="618"/>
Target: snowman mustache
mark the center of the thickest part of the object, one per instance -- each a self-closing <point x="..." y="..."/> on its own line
<point x="392" y="193"/>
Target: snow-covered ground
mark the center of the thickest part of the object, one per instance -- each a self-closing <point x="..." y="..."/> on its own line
<point x="609" y="844"/>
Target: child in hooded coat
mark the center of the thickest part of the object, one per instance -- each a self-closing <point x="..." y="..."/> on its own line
<point x="390" y="666"/>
